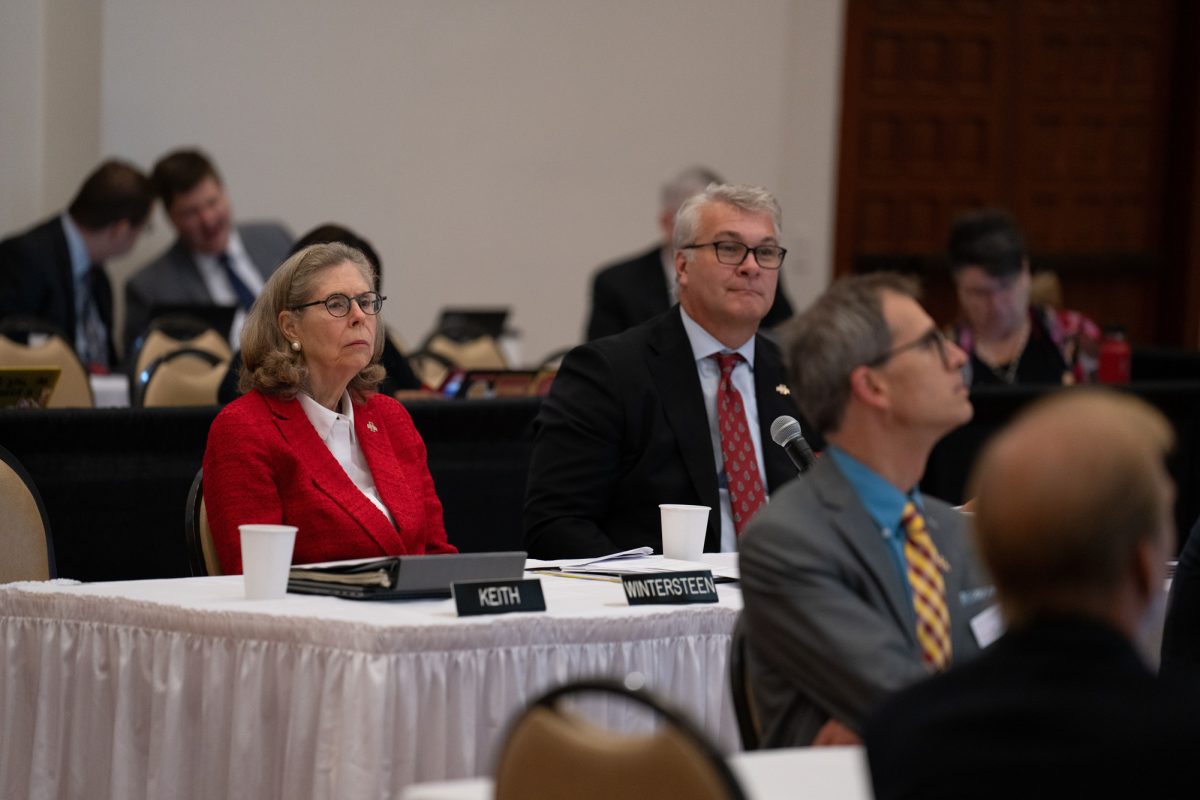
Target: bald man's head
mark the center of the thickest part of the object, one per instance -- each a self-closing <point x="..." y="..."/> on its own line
<point x="1067" y="495"/>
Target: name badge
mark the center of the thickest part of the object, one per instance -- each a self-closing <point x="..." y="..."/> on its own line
<point x="670" y="588"/>
<point x="497" y="597"/>
<point x="987" y="625"/>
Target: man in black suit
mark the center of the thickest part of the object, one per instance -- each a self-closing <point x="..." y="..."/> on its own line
<point x="632" y="291"/>
<point x="55" y="270"/>
<point x="212" y="261"/>
<point x="1073" y="514"/>
<point x="631" y="420"/>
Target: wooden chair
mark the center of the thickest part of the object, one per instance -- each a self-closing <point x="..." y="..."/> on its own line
<point x="202" y="555"/>
<point x="73" y="389"/>
<point x="183" y="377"/>
<point x="26" y="546"/>
<point x="553" y="753"/>
<point x="748" y="722"/>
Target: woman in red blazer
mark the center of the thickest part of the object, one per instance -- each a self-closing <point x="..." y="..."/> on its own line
<point x="311" y="443"/>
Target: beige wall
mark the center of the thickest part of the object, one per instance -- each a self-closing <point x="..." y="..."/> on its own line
<point x="495" y="151"/>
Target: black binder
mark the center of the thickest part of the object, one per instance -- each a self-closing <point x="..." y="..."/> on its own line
<point x="403" y="577"/>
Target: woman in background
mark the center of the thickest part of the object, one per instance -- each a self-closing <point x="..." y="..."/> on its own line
<point x="1008" y="339"/>
<point x="311" y="443"/>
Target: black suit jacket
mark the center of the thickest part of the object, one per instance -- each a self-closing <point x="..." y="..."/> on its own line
<point x="1181" y="630"/>
<point x="36" y="279"/>
<point x="630" y="292"/>
<point x="624" y="429"/>
<point x="1062" y="707"/>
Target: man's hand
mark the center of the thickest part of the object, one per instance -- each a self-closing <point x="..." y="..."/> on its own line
<point x="835" y="734"/>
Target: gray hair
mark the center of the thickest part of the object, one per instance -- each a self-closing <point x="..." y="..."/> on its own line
<point x="692" y="181"/>
<point x="268" y="362"/>
<point x="751" y="199"/>
<point x="844" y="329"/>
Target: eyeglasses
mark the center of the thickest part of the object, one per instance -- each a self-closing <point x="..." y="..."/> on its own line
<point x="338" y="304"/>
<point x="768" y="256"/>
<point x="931" y="338"/>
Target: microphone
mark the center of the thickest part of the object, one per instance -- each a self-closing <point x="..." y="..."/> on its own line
<point x="785" y="431"/>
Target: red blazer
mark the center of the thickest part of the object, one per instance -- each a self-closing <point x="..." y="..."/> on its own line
<point x="265" y="463"/>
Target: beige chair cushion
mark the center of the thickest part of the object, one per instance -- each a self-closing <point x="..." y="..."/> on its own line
<point x="73" y="389"/>
<point x="552" y="755"/>
<point x="480" y="353"/>
<point x="23" y="555"/>
<point x="206" y="543"/>
<point x="185" y="381"/>
<point x="158" y="344"/>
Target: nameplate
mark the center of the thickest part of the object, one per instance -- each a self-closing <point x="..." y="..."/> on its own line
<point x="670" y="588"/>
<point x="497" y="597"/>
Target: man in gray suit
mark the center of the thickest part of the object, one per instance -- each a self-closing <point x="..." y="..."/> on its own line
<point x="855" y="584"/>
<point x="212" y="261"/>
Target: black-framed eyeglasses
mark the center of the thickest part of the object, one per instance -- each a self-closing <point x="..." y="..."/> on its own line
<point x="338" y="304"/>
<point x="931" y="338"/>
<point x="768" y="256"/>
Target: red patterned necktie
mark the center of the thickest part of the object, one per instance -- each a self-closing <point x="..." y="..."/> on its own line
<point x="746" y="493"/>
<point x="925" y="568"/>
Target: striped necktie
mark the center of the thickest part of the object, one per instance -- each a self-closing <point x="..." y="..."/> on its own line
<point x="746" y="493"/>
<point x="925" y="568"/>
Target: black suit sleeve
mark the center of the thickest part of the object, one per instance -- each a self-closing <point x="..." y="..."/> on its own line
<point x="1181" y="631"/>
<point x="781" y="309"/>
<point x="576" y="461"/>
<point x="606" y="317"/>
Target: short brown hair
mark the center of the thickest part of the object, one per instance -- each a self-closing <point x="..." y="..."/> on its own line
<point x="268" y="362"/>
<point x="179" y="172"/>
<point x="115" y="191"/>
<point x="845" y="328"/>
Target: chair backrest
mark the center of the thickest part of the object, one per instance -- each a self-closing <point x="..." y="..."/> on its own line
<point x="552" y="753"/>
<point x="168" y="334"/>
<point x="73" y="389"/>
<point x="184" y="377"/>
<point x="482" y="352"/>
<point x="430" y="368"/>
<point x="748" y="721"/>
<point x="202" y="556"/>
<point x="26" y="547"/>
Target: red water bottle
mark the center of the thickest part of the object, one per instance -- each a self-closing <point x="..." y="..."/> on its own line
<point x="1114" y="356"/>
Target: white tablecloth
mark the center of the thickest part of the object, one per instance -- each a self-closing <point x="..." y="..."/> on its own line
<point x="181" y="688"/>
<point x="811" y="773"/>
<point x="110" y="391"/>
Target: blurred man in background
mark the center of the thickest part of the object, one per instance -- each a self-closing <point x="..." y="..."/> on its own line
<point x="55" y="270"/>
<point x="212" y="262"/>
<point x="632" y="291"/>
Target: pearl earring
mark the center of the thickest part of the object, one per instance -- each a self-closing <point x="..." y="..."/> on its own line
<point x="296" y="346"/>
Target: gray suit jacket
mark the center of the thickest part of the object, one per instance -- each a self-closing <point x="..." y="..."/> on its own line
<point x="829" y="623"/>
<point x="174" y="279"/>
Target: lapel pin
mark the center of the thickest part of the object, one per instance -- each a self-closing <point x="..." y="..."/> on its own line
<point x="371" y="427"/>
<point x="783" y="389"/>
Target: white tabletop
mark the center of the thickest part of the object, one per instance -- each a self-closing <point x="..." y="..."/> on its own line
<point x="110" y="391"/>
<point x="182" y="688"/>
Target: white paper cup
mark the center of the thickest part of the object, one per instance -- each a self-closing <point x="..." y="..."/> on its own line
<point x="266" y="559"/>
<point x="683" y="530"/>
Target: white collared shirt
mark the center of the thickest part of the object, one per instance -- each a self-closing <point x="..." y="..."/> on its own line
<point x="705" y="345"/>
<point x="337" y="432"/>
<point x="217" y="282"/>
